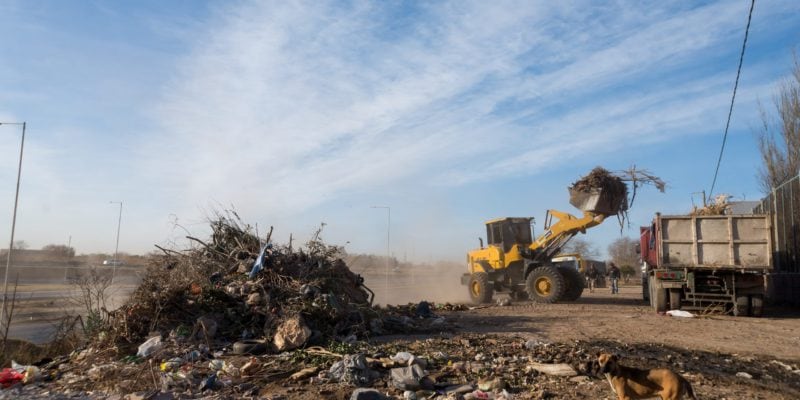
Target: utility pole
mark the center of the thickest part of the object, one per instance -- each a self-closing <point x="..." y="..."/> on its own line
<point x="116" y="248"/>
<point x="13" y="220"/>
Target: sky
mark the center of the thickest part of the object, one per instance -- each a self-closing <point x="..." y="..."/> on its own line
<point x="426" y="117"/>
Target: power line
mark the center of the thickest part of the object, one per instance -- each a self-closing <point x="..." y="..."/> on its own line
<point x="733" y="98"/>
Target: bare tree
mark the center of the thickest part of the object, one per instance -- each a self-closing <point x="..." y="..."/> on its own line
<point x="779" y="137"/>
<point x="20" y="245"/>
<point x="622" y="252"/>
<point x="582" y="247"/>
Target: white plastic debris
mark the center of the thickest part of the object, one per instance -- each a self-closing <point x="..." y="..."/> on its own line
<point x="149" y="347"/>
<point x="680" y="313"/>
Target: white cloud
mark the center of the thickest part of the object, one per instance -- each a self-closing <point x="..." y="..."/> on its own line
<point x="282" y="106"/>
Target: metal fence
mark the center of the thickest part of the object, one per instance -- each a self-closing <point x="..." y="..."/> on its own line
<point x="783" y="204"/>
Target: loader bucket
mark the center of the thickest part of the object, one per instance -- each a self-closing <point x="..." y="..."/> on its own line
<point x="598" y="200"/>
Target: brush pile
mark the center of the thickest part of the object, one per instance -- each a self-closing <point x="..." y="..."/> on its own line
<point x="238" y="287"/>
<point x="600" y="192"/>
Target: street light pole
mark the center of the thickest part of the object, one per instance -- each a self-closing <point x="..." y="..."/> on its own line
<point x="116" y="248"/>
<point x="13" y="218"/>
<point x="388" y="246"/>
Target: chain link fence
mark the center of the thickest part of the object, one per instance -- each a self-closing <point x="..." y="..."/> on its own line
<point x="783" y="204"/>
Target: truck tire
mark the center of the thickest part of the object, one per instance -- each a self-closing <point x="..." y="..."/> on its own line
<point x="574" y="283"/>
<point x="480" y="291"/>
<point x="742" y="306"/>
<point x="660" y="300"/>
<point x="545" y="285"/>
<point x="674" y="299"/>
<point x="756" y="305"/>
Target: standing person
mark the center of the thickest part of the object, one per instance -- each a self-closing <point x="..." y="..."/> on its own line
<point x="591" y="277"/>
<point x="613" y="274"/>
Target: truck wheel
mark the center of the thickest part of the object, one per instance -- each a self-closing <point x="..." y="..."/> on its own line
<point x="674" y="299"/>
<point x="545" y="285"/>
<point x="480" y="291"/>
<point x="574" y="283"/>
<point x="660" y="300"/>
<point x="742" y="306"/>
<point x="756" y="305"/>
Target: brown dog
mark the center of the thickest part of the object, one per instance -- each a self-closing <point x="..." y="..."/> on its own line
<point x="631" y="383"/>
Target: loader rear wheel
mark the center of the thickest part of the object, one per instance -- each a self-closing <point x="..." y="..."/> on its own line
<point x="480" y="291"/>
<point x="574" y="283"/>
<point x="545" y="285"/>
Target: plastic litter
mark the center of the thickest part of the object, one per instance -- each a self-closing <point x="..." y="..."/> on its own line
<point x="149" y="347"/>
<point x="9" y="377"/>
<point x="680" y="313"/>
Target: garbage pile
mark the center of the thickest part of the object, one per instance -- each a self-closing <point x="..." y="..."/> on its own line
<point x="443" y="367"/>
<point x="600" y="191"/>
<point x="231" y="295"/>
<point x="236" y="287"/>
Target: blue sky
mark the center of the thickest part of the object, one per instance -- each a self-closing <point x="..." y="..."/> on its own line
<point x="297" y="113"/>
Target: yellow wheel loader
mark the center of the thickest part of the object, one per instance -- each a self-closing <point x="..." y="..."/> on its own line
<point x="513" y="262"/>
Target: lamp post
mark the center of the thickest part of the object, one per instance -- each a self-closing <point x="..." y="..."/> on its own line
<point x="116" y="248"/>
<point x="388" y="246"/>
<point x="13" y="218"/>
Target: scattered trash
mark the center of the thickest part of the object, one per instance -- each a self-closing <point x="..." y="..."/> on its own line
<point x="408" y="378"/>
<point x="554" y="369"/>
<point x="149" y="347"/>
<point x="368" y="394"/>
<point x="680" y="313"/>
<point x="744" y="375"/>
<point x="9" y="377"/>
<point x="292" y="334"/>
<point x="352" y="369"/>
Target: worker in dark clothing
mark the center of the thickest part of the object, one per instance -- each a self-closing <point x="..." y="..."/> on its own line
<point x="613" y="275"/>
<point x="591" y="277"/>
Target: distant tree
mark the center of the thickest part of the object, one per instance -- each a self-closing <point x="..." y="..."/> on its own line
<point x="59" y="250"/>
<point x="779" y="137"/>
<point x="21" y="245"/>
<point x="622" y="252"/>
<point x="582" y="247"/>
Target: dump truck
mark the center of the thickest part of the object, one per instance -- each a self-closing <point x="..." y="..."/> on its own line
<point x="706" y="262"/>
<point x="514" y="262"/>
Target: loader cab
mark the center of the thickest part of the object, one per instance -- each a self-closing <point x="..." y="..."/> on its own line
<point x="506" y="232"/>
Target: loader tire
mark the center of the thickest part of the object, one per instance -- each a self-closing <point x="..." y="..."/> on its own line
<point x="574" y="283"/>
<point x="545" y="285"/>
<point x="480" y="290"/>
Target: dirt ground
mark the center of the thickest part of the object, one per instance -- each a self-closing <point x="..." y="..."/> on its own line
<point x="723" y="357"/>
<point x="626" y="318"/>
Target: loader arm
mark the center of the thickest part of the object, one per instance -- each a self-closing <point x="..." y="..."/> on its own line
<point x="549" y="243"/>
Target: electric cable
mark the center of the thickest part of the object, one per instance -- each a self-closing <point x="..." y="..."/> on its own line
<point x="733" y="98"/>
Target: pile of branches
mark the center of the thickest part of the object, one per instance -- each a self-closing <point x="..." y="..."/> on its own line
<point x="600" y="178"/>
<point x="215" y="281"/>
<point x="720" y="206"/>
<point x="615" y="195"/>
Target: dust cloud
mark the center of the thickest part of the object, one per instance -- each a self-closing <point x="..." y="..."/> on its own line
<point x="413" y="283"/>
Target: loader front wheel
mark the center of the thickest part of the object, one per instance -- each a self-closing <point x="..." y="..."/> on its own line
<point x="574" y="283"/>
<point x="480" y="290"/>
<point x="545" y="285"/>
